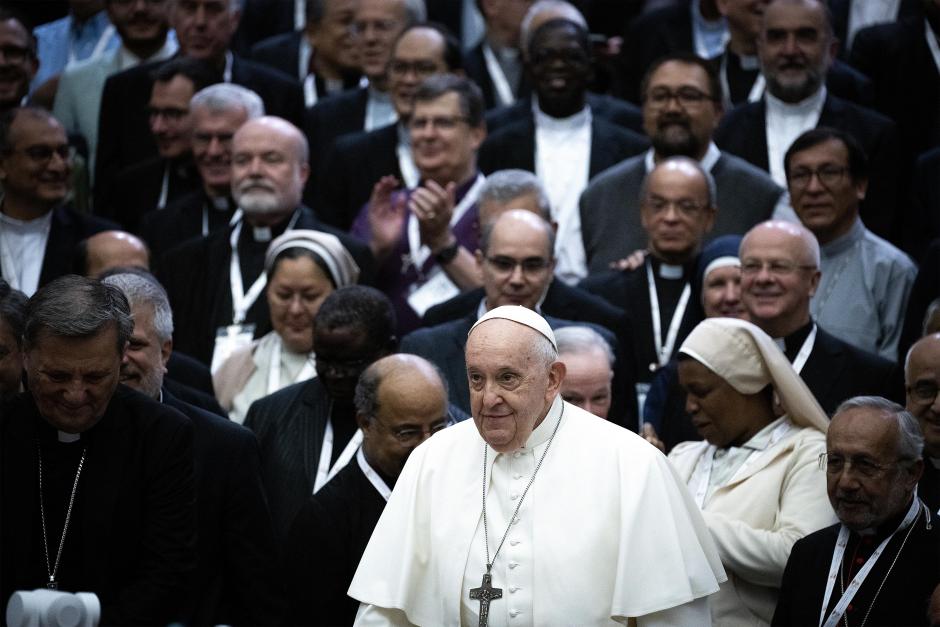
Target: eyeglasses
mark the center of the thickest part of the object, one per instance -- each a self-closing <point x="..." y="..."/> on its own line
<point x="685" y="96"/>
<point x="41" y="155"/>
<point x="683" y="206"/>
<point x="530" y="265"/>
<point x="16" y="54"/>
<point x="828" y="176"/>
<point x="206" y="138"/>
<point x="411" y="435"/>
<point x="421" y="69"/>
<point x="869" y="469"/>
<point x="924" y="391"/>
<point x="441" y="123"/>
<point x="172" y="114"/>
<point x="776" y="267"/>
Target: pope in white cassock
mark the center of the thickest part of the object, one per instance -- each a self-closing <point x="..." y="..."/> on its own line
<point x="536" y="512"/>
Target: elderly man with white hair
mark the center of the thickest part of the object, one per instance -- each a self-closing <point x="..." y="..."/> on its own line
<point x="531" y="554"/>
<point x="589" y="363"/>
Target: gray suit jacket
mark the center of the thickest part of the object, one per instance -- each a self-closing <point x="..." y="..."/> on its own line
<point x="610" y="206"/>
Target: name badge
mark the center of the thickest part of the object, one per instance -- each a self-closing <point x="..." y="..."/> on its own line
<point x="228" y="340"/>
<point x="435" y="290"/>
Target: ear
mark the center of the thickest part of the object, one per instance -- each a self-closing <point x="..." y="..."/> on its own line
<point x="304" y="171"/>
<point x="710" y="218"/>
<point x="556" y="374"/>
<point x="165" y="351"/>
<point x="914" y="474"/>
<point x="477" y="135"/>
<point x="861" y="188"/>
<point x="364" y="423"/>
<point x="814" y="282"/>
<point x="478" y="255"/>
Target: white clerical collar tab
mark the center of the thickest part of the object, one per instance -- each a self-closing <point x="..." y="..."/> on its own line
<point x="261" y="233"/>
<point x="669" y="271"/>
<point x="521" y="315"/>
<point x="69" y="437"/>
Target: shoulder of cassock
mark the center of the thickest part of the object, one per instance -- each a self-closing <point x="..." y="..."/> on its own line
<point x="416" y="557"/>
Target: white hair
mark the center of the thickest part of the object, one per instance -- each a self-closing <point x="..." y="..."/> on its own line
<point x="564" y="9"/>
<point x="582" y="340"/>
<point x="226" y="96"/>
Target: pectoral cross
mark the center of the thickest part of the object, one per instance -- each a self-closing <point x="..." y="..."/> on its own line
<point x="484" y="594"/>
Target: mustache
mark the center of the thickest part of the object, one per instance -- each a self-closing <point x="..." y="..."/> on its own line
<point x="255" y="183"/>
<point x="673" y="118"/>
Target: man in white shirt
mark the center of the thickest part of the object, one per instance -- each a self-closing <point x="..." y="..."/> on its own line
<point x="432" y="546"/>
<point x="145" y="37"/>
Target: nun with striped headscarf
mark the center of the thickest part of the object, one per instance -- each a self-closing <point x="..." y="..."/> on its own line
<point x="303" y="267"/>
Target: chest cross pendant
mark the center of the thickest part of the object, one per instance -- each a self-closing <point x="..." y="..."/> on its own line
<point x="484" y="594"/>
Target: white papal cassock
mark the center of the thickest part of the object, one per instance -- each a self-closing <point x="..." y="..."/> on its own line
<point x="607" y="531"/>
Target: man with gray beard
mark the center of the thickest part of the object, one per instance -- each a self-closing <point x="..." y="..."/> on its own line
<point x="214" y="282"/>
<point x="796" y="47"/>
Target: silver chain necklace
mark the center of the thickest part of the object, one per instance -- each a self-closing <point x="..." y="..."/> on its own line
<point x="486" y="592"/>
<point x="52" y="570"/>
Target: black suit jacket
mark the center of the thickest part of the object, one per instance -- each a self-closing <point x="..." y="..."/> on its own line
<point x="134" y="514"/>
<point x="179" y="221"/>
<point x="189" y="372"/>
<point x="124" y="134"/>
<point x="837" y="371"/>
<point x="260" y="20"/>
<point x="196" y="277"/>
<point x="615" y="111"/>
<point x="355" y="165"/>
<point x="474" y="64"/>
<point x="325" y="122"/>
<point x="68" y="228"/>
<point x="281" y="52"/>
<point x="236" y="570"/>
<point x="924" y="221"/>
<point x="925" y="289"/>
<point x="928" y="488"/>
<point x="907" y="83"/>
<point x="901" y="600"/>
<point x="743" y="132"/>
<point x="324" y="547"/>
<point x="137" y="190"/>
<point x="513" y="146"/>
<point x="839" y="12"/>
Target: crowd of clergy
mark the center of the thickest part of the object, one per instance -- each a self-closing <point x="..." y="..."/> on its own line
<point x="256" y="253"/>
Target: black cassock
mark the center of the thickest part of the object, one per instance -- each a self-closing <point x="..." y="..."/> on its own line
<point x="903" y="597"/>
<point x="325" y="545"/>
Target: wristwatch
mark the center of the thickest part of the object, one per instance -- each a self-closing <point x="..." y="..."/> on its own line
<point x="447" y="254"/>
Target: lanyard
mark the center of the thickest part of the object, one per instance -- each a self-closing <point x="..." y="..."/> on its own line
<point x="418" y="252"/>
<point x="103" y="40"/>
<point x="504" y="93"/>
<point x="932" y="44"/>
<point x="164" y="188"/>
<point x="274" y="369"/>
<point x="757" y="89"/>
<point x="664" y="350"/>
<point x="800" y="360"/>
<point x="324" y="471"/>
<point x="372" y="476"/>
<point x="406" y="163"/>
<point x="703" y="470"/>
<point x="836" y="615"/>
<point x="242" y="301"/>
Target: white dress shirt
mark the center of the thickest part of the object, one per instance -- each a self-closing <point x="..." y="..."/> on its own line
<point x="379" y="110"/>
<point x="22" y="250"/>
<point x="786" y="122"/>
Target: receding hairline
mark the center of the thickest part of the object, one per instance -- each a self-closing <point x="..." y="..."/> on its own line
<point x="921" y="345"/>
<point x="809" y="247"/>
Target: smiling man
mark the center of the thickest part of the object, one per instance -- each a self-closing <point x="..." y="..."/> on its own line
<point x="436" y="557"/>
<point x="827" y="175"/>
<point x="39" y="229"/>
<point x="119" y="463"/>
<point x="19" y="64"/>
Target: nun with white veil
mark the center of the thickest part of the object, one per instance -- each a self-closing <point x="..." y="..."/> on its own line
<point x="755" y="476"/>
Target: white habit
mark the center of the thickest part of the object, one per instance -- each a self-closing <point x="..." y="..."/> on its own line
<point x="607" y="531"/>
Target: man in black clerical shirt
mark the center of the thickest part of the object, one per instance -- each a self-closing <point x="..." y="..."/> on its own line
<point x="677" y="209"/>
<point x="878" y="565"/>
<point x="269" y="168"/>
<point x="308" y="430"/>
<point x="921" y="378"/>
<point x="779" y="276"/>
<point x="401" y="400"/>
<point x="234" y="580"/>
<point x="130" y="538"/>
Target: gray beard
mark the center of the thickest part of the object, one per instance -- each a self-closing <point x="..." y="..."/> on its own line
<point x="795" y="93"/>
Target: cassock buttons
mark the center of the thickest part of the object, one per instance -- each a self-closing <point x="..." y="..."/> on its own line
<point x="517" y="476"/>
<point x="513" y="543"/>
<point x="513" y="588"/>
<point x="513" y="496"/>
<point x="516" y="455"/>
<point x="513" y="564"/>
<point x="514" y="613"/>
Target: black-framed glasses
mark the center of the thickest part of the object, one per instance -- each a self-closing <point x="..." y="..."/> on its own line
<point x="421" y="69"/>
<point x="42" y="154"/>
<point x="530" y="265"/>
<point x="172" y="114"/>
<point x="412" y="435"/>
<point x="828" y="175"/>
<point x="924" y="391"/>
<point x="441" y="122"/>
<point x="865" y="467"/>
<point x="685" y="96"/>
<point x="776" y="267"/>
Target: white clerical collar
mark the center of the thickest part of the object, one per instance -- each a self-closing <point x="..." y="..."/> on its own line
<point x="670" y="271"/>
<point x="811" y="105"/>
<point x="844" y="242"/>
<point x="579" y="120"/>
<point x="127" y="59"/>
<point x="69" y="437"/>
<point x="708" y="160"/>
<point x="748" y="62"/>
<point x="219" y="203"/>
